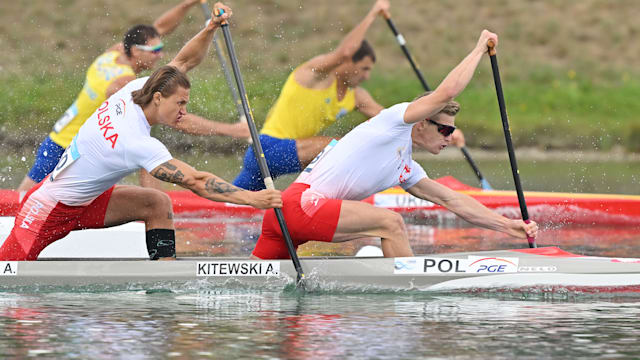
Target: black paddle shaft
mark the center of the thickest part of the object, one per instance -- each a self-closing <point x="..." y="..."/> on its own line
<point x="257" y="149"/>
<point x="423" y="81"/>
<point x="406" y="52"/>
<point x="467" y="156"/>
<point x="223" y="64"/>
<point x="507" y="137"/>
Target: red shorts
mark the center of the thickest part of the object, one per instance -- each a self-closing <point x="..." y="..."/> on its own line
<point x="41" y="221"/>
<point x="316" y="222"/>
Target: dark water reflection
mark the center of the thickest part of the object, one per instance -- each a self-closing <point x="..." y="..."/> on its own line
<point x="220" y="324"/>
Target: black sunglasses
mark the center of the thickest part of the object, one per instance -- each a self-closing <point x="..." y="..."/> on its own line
<point x="445" y="130"/>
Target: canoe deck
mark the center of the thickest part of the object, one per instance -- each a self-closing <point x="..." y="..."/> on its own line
<point x="548" y="267"/>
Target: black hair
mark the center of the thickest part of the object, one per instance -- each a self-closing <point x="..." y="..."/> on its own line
<point x="364" y="50"/>
<point x="138" y="35"/>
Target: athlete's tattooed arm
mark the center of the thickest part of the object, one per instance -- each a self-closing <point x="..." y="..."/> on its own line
<point x="212" y="187"/>
<point x="169" y="173"/>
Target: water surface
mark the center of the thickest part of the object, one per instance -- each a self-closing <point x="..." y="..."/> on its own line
<point x="170" y="321"/>
<point x="236" y="324"/>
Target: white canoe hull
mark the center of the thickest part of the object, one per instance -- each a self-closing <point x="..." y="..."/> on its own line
<point x="505" y="269"/>
<point x="123" y="241"/>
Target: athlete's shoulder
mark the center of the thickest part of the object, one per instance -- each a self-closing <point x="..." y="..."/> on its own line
<point x="133" y="85"/>
<point x="107" y="67"/>
<point x="399" y="107"/>
<point x="136" y="84"/>
<point x="110" y="54"/>
<point x="393" y="113"/>
<point x="306" y="76"/>
<point x="107" y="58"/>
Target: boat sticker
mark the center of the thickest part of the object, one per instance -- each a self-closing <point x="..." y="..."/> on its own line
<point x="491" y="264"/>
<point x="399" y="200"/>
<point x="238" y="268"/>
<point x="8" y="268"/>
<point x="428" y="265"/>
<point x="537" y="269"/>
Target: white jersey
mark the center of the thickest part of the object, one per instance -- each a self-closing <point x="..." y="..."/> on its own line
<point x="374" y="156"/>
<point x="114" y="142"/>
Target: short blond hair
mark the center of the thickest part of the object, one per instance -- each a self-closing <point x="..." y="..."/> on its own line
<point x="452" y="108"/>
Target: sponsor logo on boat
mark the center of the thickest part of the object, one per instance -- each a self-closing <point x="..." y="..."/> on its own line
<point x="424" y="265"/>
<point x="537" y="268"/>
<point x="399" y="200"/>
<point x="473" y="264"/>
<point x="238" y="268"/>
<point x="480" y="264"/>
<point x="8" y="268"/>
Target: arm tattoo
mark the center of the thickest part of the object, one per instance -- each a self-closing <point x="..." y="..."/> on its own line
<point x="169" y="173"/>
<point x="169" y="165"/>
<point x="219" y="187"/>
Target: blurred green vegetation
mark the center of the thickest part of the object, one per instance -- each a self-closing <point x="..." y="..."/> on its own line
<point x="565" y="114"/>
<point x="569" y="68"/>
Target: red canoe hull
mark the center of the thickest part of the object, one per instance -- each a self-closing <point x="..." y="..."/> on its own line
<point x="544" y="207"/>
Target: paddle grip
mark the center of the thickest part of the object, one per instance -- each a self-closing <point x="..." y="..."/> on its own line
<point x="492" y="47"/>
<point x="530" y="239"/>
<point x="219" y="13"/>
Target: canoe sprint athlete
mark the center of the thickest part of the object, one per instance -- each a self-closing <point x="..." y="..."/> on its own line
<point x="323" y="204"/>
<point x="140" y="50"/>
<point x="114" y="142"/>
<point x="315" y="95"/>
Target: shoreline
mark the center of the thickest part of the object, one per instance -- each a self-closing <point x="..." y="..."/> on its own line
<point x="617" y="154"/>
<point x="183" y="144"/>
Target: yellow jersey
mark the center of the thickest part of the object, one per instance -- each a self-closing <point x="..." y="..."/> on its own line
<point x="301" y="112"/>
<point x="100" y="75"/>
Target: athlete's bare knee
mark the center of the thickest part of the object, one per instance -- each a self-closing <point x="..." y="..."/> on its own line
<point x="156" y="204"/>
<point x="162" y="202"/>
<point x="393" y="226"/>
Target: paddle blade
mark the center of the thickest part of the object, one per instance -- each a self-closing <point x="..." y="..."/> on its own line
<point x="485" y="184"/>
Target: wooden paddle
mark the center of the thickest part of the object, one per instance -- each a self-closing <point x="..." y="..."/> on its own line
<point x="257" y="147"/>
<point x="483" y="182"/>
<point x="507" y="137"/>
